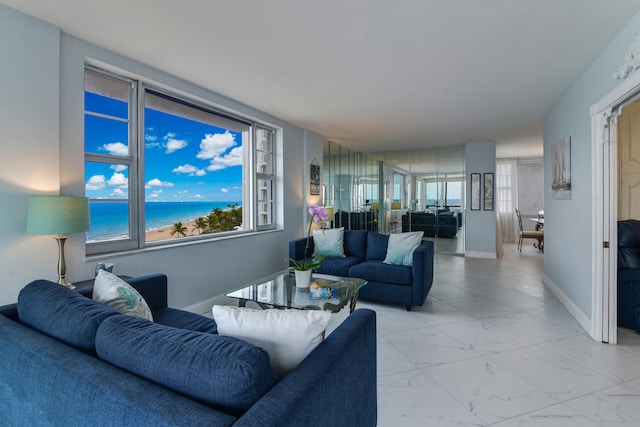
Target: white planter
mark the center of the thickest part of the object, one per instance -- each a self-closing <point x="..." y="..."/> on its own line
<point x="303" y="278"/>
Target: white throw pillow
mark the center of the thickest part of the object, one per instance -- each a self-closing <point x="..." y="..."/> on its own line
<point x="111" y="290"/>
<point x="329" y="242"/>
<point x="287" y="335"/>
<point x="401" y="247"/>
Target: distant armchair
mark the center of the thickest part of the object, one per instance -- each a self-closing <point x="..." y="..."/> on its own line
<point x="629" y="274"/>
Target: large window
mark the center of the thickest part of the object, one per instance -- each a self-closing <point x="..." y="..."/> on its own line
<point x="160" y="167"/>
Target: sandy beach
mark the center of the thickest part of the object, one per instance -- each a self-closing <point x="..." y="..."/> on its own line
<point x="164" y="233"/>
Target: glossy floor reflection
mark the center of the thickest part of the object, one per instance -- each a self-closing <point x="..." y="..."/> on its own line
<point x="493" y="347"/>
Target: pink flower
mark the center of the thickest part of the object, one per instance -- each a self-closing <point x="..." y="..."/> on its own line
<point x="318" y="213"/>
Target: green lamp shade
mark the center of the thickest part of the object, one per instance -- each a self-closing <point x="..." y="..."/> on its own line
<point x="57" y="215"/>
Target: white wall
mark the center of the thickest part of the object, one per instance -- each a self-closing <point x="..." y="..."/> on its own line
<point x="569" y="223"/>
<point x="43" y="152"/>
<point x="480" y="226"/>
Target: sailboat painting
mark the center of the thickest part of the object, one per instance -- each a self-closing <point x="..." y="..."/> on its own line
<point x="561" y="155"/>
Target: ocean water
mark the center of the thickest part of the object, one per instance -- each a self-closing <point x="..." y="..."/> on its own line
<point x="110" y="220"/>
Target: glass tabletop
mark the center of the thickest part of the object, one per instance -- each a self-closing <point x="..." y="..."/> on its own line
<point x="279" y="291"/>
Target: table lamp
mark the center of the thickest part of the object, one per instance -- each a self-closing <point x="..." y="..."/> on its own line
<point x="329" y="210"/>
<point x="58" y="215"/>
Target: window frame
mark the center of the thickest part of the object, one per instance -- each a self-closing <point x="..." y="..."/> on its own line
<point x="135" y="162"/>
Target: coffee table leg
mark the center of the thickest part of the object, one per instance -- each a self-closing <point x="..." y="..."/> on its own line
<point x="352" y="304"/>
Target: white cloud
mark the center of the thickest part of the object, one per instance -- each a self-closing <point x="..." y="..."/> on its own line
<point x="116" y="149"/>
<point x="149" y="137"/>
<point x="189" y="169"/>
<point x="118" y="168"/>
<point x="233" y="158"/>
<point x="117" y="192"/>
<point x="174" y="144"/>
<point x="154" y="194"/>
<point x="198" y="196"/>
<point x="118" y="180"/>
<point x="96" y="182"/>
<point x="215" y="145"/>
<point x="185" y="169"/>
<point x="224" y="190"/>
<point x="183" y="191"/>
<point x="155" y="182"/>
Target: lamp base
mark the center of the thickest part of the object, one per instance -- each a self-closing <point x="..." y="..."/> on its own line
<point x="63" y="282"/>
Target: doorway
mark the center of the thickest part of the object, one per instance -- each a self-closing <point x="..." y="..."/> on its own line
<point x="605" y="116"/>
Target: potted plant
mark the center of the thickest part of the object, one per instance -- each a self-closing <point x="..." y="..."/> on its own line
<point x="303" y="269"/>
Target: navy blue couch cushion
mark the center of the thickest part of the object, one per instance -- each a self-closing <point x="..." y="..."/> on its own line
<point x="183" y="319"/>
<point x="62" y="313"/>
<point x="377" y="246"/>
<point x="338" y="266"/>
<point x="377" y="271"/>
<point x="355" y="243"/>
<point x="224" y="372"/>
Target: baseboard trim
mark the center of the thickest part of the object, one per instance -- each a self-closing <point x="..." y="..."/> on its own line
<point x="573" y="309"/>
<point x="477" y="254"/>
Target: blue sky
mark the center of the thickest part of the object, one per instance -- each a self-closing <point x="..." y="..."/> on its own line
<point x="185" y="160"/>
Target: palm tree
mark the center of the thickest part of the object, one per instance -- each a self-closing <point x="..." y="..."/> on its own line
<point x="179" y="229"/>
<point x="200" y="224"/>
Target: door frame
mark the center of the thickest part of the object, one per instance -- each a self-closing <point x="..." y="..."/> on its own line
<point x="604" y="189"/>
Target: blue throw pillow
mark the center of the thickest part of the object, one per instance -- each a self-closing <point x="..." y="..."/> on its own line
<point x="401" y="247"/>
<point x="329" y="242"/>
<point x="224" y="372"/>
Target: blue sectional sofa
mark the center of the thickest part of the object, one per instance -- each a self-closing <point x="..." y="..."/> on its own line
<point x="364" y="254"/>
<point x="68" y="360"/>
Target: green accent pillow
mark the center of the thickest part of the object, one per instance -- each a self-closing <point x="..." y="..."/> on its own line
<point x="111" y="290"/>
<point x="329" y="242"/>
<point x="401" y="247"/>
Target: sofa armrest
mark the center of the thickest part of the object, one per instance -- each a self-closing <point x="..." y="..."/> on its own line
<point x="334" y="386"/>
<point x="297" y="246"/>
<point x="153" y="288"/>
<point x="422" y="272"/>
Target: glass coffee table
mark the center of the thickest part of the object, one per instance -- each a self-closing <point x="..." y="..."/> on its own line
<point x="279" y="291"/>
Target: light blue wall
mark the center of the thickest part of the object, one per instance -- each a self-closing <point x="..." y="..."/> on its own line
<point x="480" y="226"/>
<point x="41" y="97"/>
<point x="29" y="94"/>
<point x="569" y="223"/>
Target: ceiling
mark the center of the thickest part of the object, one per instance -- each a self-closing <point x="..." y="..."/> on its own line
<point x="373" y="75"/>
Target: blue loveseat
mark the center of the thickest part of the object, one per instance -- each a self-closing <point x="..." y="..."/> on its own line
<point x="365" y="252"/>
<point x="68" y="360"/>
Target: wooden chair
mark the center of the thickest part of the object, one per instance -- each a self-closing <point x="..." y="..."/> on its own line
<point x="538" y="235"/>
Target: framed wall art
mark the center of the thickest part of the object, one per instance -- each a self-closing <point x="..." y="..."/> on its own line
<point x="314" y="178"/>
<point x="475" y="191"/>
<point x="488" y="191"/>
<point x="561" y="158"/>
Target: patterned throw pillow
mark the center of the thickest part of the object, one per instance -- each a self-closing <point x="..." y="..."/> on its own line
<point x="109" y="289"/>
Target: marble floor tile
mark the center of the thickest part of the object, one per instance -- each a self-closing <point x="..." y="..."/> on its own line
<point x="558" y="376"/>
<point x="488" y="390"/>
<point x="415" y="399"/>
<point x="614" y="406"/>
<point x="430" y="346"/>
<point x="493" y="347"/>
<point x="551" y="416"/>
